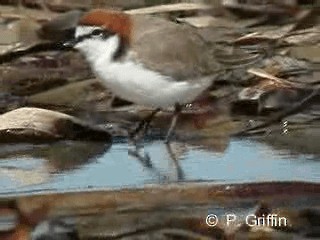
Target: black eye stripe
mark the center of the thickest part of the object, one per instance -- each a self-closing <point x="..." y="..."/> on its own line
<point x="103" y="32"/>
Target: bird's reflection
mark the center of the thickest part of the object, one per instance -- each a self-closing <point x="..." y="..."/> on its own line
<point x="144" y="158"/>
<point x="175" y="160"/>
<point x="206" y="130"/>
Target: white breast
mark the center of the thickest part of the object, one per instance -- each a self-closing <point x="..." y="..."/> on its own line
<point x="134" y="82"/>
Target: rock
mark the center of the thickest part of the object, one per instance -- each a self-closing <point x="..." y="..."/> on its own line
<point x="26" y="81"/>
<point x="35" y="124"/>
<point x="86" y="95"/>
<point x="34" y="74"/>
<point x="60" y="27"/>
<point x="21" y="31"/>
<point x="309" y="53"/>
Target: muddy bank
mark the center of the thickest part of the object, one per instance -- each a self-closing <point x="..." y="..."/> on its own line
<point x="164" y="212"/>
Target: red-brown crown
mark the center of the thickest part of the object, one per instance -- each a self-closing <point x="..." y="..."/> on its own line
<point x="115" y="21"/>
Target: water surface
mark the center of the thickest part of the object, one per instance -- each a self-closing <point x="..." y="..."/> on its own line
<point x="71" y="165"/>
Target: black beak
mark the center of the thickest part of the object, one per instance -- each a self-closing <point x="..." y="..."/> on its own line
<point x="71" y="43"/>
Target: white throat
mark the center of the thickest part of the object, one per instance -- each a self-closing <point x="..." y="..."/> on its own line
<point x="96" y="49"/>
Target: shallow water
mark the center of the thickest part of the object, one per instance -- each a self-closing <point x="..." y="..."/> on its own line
<point x="67" y="165"/>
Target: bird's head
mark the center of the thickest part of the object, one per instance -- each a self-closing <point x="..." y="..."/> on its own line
<point x="103" y="33"/>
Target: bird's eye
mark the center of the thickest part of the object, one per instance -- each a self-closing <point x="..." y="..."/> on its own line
<point x="97" y="32"/>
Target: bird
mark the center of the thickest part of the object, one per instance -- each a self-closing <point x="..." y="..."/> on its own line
<point x="147" y="60"/>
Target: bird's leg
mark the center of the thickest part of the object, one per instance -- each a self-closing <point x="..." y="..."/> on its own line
<point x="180" y="173"/>
<point x="177" y="111"/>
<point x="144" y="124"/>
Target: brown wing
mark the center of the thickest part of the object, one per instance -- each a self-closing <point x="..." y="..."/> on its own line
<point x="171" y="49"/>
